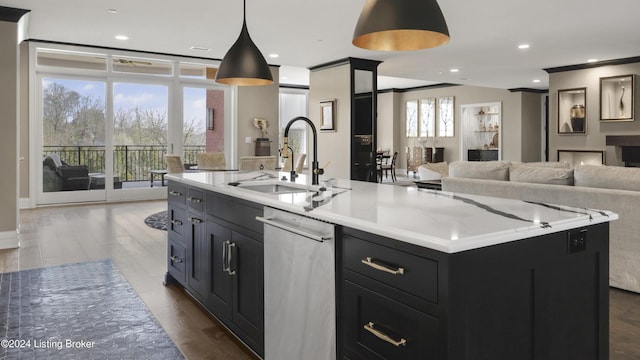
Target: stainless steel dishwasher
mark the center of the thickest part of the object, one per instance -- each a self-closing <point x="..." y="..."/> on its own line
<point x="299" y="287"/>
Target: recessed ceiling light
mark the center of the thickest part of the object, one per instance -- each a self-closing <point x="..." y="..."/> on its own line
<point x="122" y="37"/>
<point x="112" y="11"/>
<point x="454" y="70"/>
<point x="201" y="48"/>
<point x="592" y="60"/>
<point x="536" y="80"/>
<point x="274" y="56"/>
<point x="523" y="46"/>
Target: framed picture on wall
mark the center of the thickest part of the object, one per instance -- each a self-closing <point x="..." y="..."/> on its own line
<point x="327" y="115"/>
<point x="616" y="98"/>
<point x="572" y="111"/>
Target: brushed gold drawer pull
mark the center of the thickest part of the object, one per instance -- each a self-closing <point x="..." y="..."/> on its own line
<point x="380" y="335"/>
<point x="378" y="266"/>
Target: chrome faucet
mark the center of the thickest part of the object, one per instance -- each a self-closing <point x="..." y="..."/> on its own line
<point x="315" y="169"/>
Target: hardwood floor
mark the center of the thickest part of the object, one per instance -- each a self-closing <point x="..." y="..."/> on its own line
<point x="61" y="235"/>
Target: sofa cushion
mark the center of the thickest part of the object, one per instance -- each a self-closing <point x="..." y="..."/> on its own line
<point x="607" y="177"/>
<point x="490" y="170"/>
<point x="541" y="175"/>
<point x="551" y="164"/>
<point x="433" y="171"/>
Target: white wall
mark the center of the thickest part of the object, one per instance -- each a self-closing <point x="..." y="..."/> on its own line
<point x="388" y="136"/>
<point x="9" y="104"/>
<point x="532" y="117"/>
<point x="511" y="118"/>
<point x="335" y="146"/>
<point x="596" y="131"/>
<point x="258" y="102"/>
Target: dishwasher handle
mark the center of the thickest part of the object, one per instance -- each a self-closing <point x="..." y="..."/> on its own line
<point x="286" y="227"/>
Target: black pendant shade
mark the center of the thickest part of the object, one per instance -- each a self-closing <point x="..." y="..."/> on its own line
<point x="396" y="25"/>
<point x="244" y="64"/>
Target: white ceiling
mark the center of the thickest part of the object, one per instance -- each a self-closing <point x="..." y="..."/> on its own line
<point x="484" y="34"/>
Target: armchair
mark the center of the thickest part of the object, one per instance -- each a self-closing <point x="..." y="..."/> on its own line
<point x="67" y="177"/>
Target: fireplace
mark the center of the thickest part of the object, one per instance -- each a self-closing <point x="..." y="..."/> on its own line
<point x="630" y="145"/>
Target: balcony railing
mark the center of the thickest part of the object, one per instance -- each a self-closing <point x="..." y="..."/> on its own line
<point x="130" y="162"/>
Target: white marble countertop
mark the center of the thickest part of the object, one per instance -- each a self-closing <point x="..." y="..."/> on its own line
<point x="442" y="221"/>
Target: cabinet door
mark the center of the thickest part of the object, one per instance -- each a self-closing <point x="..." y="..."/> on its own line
<point x="376" y="327"/>
<point x="219" y="296"/>
<point x="176" y="261"/>
<point x="177" y="223"/>
<point x="247" y="260"/>
<point x="197" y="272"/>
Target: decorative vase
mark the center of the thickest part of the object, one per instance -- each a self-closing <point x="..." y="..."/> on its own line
<point x="263" y="147"/>
<point x="577" y="118"/>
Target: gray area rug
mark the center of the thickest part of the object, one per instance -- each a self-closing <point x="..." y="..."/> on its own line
<point x="157" y="220"/>
<point x="78" y="311"/>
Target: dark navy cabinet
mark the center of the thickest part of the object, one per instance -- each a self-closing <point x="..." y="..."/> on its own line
<point x="537" y="298"/>
<point x="215" y="251"/>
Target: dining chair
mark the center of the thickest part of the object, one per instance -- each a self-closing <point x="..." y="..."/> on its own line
<point x="211" y="161"/>
<point x="391" y="167"/>
<point x="174" y="164"/>
<point x="299" y="158"/>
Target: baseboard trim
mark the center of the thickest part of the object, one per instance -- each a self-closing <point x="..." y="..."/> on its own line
<point x="9" y="240"/>
<point x="24" y="203"/>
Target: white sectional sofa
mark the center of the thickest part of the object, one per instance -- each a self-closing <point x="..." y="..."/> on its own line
<point x="589" y="186"/>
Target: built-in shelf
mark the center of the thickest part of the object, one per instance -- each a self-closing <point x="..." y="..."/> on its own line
<point x="623" y="140"/>
<point x="481" y="130"/>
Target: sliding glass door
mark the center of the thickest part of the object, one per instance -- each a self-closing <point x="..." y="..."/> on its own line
<point x="140" y="130"/>
<point x="73" y="140"/>
<point x="104" y="121"/>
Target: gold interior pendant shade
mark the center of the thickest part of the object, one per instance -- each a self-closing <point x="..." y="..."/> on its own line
<point x="244" y="64"/>
<point x="397" y="25"/>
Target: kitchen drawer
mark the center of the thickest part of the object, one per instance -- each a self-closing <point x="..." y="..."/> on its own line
<point x="409" y="333"/>
<point x="406" y="272"/>
<point x="235" y="211"/>
<point x="176" y="261"/>
<point x="177" y="194"/>
<point x="195" y="199"/>
<point x="177" y="222"/>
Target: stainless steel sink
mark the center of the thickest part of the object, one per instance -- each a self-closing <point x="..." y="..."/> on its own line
<point x="273" y="188"/>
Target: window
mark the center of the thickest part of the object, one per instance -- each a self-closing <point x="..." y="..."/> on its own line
<point x="293" y="103"/>
<point x="114" y="115"/>
<point x="445" y="124"/>
<point x="428" y="117"/>
<point x="71" y="60"/>
<point x="141" y="66"/>
<point x="421" y="123"/>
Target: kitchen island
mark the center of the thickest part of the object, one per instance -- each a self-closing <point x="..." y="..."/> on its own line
<point x="418" y="273"/>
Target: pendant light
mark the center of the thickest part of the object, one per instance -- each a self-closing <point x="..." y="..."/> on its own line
<point x="244" y="64"/>
<point x="395" y="25"/>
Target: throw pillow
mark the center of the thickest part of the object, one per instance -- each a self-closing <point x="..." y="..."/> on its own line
<point x="541" y="175"/>
<point x="490" y="170"/>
